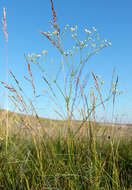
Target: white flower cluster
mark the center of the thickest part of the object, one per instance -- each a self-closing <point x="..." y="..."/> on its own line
<point x="33" y="56"/>
<point x="87" y="31"/>
<point x="69" y="52"/>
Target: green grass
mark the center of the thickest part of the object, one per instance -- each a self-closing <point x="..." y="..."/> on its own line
<point x="62" y="162"/>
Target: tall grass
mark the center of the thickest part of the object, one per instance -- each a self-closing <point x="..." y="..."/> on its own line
<point x="39" y="153"/>
<point x="4" y="29"/>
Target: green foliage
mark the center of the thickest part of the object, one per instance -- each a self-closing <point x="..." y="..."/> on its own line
<point x="47" y="163"/>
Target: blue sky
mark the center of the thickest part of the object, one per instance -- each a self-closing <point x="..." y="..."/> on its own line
<point x="111" y="18"/>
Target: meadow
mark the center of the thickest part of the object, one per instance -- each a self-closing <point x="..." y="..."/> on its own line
<point x="49" y="157"/>
<point x="72" y="154"/>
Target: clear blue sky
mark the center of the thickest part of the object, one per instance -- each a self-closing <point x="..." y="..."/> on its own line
<point x="113" y="19"/>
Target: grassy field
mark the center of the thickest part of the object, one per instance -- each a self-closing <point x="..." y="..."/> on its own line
<point x="45" y="155"/>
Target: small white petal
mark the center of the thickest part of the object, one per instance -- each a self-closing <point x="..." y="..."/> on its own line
<point x="88" y="31"/>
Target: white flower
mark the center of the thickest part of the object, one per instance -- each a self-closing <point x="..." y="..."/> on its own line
<point x="66" y="53"/>
<point x="109" y="43"/>
<point x="94" y="29"/>
<point x="87" y="31"/>
<point x="98" y="76"/>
